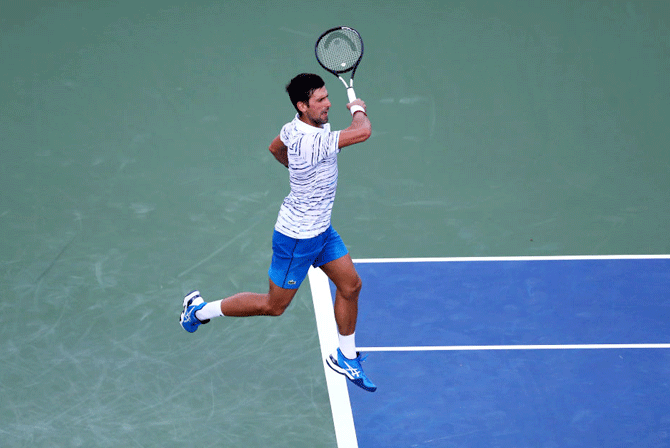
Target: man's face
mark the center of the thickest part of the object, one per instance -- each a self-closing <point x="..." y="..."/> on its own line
<point x="316" y="110"/>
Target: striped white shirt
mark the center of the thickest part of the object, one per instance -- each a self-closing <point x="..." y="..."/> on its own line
<point x="312" y="165"/>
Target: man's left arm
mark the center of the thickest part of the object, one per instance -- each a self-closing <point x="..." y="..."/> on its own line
<point x="280" y="151"/>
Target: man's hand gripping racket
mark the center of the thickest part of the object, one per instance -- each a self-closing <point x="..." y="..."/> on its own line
<point x="340" y="50"/>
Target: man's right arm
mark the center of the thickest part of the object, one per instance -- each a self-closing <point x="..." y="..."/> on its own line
<point x="360" y="128"/>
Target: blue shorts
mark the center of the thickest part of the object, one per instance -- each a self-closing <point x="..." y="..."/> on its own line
<point x="291" y="258"/>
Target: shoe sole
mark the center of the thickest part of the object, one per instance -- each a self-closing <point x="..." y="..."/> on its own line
<point x="189" y="301"/>
<point x="332" y="363"/>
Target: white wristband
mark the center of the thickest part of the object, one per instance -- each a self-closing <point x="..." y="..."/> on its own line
<point x="355" y="108"/>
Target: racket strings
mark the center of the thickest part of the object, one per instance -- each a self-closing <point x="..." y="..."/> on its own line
<point x="340" y="50"/>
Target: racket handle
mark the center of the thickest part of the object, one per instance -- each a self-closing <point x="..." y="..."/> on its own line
<point x="351" y="94"/>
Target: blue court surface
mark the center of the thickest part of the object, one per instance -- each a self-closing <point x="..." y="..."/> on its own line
<point x="506" y="352"/>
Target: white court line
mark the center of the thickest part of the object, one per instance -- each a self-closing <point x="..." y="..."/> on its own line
<point x="520" y="258"/>
<point x="343" y="418"/>
<point x="512" y="347"/>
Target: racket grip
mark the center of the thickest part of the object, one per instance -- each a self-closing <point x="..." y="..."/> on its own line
<point x="351" y="94"/>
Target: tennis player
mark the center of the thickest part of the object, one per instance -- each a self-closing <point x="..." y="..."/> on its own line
<point x="303" y="235"/>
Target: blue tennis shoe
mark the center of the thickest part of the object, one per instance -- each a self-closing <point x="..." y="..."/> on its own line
<point x="192" y="303"/>
<point x="351" y="368"/>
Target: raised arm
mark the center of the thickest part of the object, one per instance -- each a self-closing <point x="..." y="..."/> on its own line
<point x="279" y="150"/>
<point x="360" y="128"/>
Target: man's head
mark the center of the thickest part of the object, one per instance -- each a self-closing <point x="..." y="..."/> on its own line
<point x="310" y="98"/>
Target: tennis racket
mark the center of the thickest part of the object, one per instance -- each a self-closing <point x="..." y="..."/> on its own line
<point x="340" y="50"/>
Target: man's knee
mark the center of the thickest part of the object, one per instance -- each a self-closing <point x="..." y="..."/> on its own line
<point x="352" y="289"/>
<point x="275" y="310"/>
<point x="278" y="299"/>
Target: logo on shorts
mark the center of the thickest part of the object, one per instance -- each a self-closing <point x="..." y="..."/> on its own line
<point x="291" y="282"/>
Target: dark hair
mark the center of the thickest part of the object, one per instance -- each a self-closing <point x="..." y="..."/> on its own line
<point x="302" y="86"/>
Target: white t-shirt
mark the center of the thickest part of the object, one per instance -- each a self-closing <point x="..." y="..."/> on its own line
<point x="312" y="164"/>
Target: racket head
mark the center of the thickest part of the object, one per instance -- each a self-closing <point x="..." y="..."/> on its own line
<point x="339" y="50"/>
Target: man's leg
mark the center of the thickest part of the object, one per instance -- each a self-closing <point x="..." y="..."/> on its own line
<point x="343" y="274"/>
<point x="247" y="304"/>
<point x="197" y="312"/>
<point x="289" y="267"/>
<point x="347" y="361"/>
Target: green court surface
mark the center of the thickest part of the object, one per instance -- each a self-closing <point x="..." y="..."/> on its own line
<point x="134" y="168"/>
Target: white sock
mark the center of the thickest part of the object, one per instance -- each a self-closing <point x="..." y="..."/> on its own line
<point x="348" y="345"/>
<point x="209" y="311"/>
